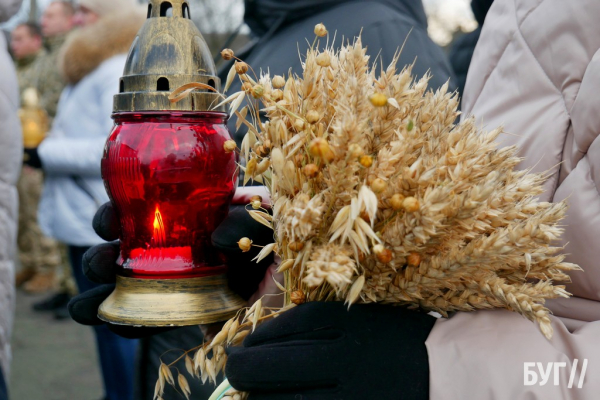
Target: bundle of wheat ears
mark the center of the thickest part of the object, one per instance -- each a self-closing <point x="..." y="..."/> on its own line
<point x="378" y="196"/>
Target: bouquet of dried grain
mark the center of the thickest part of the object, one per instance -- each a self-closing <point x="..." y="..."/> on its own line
<point x="378" y="195"/>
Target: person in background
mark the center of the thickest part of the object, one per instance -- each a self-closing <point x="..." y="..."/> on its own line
<point x="11" y="152"/>
<point x="463" y="48"/>
<point x="56" y="23"/>
<point x="39" y="255"/>
<point x="92" y="60"/>
<point x="26" y="47"/>
<point x="278" y="27"/>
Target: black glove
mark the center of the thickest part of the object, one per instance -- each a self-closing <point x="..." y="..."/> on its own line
<point x="99" y="264"/>
<point x="320" y="350"/>
<point x="32" y="158"/>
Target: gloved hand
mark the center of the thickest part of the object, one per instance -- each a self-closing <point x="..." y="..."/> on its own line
<point x="320" y="350"/>
<point x="99" y="264"/>
<point x="32" y="158"/>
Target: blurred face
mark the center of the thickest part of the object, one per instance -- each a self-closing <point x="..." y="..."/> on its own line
<point x="84" y="16"/>
<point x="23" y="43"/>
<point x="56" y="20"/>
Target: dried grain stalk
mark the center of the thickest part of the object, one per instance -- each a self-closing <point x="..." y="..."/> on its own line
<point x="378" y="195"/>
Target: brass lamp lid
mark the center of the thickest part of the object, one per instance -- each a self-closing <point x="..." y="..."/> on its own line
<point x="168" y="52"/>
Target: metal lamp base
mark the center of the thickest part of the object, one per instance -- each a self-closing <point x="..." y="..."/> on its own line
<point x="170" y="302"/>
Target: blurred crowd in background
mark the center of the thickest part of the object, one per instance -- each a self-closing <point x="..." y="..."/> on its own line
<point x="68" y="58"/>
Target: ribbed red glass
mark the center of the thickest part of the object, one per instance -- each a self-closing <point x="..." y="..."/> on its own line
<point x="171" y="183"/>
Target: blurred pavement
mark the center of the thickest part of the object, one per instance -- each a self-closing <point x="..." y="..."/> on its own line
<point x="52" y="360"/>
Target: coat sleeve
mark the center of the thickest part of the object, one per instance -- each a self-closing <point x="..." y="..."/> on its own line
<point x="11" y="152"/>
<point x="82" y="156"/>
<point x="389" y="35"/>
<point x="511" y="82"/>
<point x="497" y="354"/>
<point x="69" y="156"/>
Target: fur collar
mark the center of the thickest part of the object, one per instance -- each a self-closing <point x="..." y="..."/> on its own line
<point x="89" y="46"/>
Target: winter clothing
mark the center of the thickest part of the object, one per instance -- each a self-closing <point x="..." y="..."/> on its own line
<point x="37" y="253"/>
<point x="463" y="48"/>
<point x="460" y="57"/>
<point x="50" y="81"/>
<point x="8" y="8"/>
<point x="31" y="158"/>
<point x="41" y="256"/>
<point x="104" y="7"/>
<point x="480" y="9"/>
<point x="281" y="28"/>
<point x="11" y="151"/>
<point x="3" y="389"/>
<point x="116" y="354"/>
<point x="27" y="75"/>
<point x="154" y="349"/>
<point x="244" y="276"/>
<point x="341" y="353"/>
<point x="535" y="70"/>
<point x="92" y="61"/>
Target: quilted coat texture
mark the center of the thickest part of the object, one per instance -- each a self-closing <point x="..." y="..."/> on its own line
<point x="11" y="151"/>
<point x="536" y="71"/>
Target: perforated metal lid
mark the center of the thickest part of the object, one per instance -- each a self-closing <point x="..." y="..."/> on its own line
<point x="168" y="52"/>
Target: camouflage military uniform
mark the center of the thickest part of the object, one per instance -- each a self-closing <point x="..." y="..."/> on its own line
<point x="40" y="255"/>
<point x="50" y="82"/>
<point x="50" y="86"/>
<point x="36" y="250"/>
<point x="42" y="72"/>
<point x="27" y="71"/>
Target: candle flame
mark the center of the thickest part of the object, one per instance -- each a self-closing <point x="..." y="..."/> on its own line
<point x="159" y="236"/>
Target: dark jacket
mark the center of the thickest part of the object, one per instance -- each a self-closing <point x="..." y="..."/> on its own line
<point x="462" y="50"/>
<point x="281" y="29"/>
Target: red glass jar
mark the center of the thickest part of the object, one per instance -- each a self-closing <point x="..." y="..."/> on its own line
<point x="171" y="183"/>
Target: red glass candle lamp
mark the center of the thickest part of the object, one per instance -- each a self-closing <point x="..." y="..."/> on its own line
<point x="170" y="179"/>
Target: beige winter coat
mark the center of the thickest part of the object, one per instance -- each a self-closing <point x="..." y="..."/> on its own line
<point x="536" y="71"/>
<point x="11" y="151"/>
